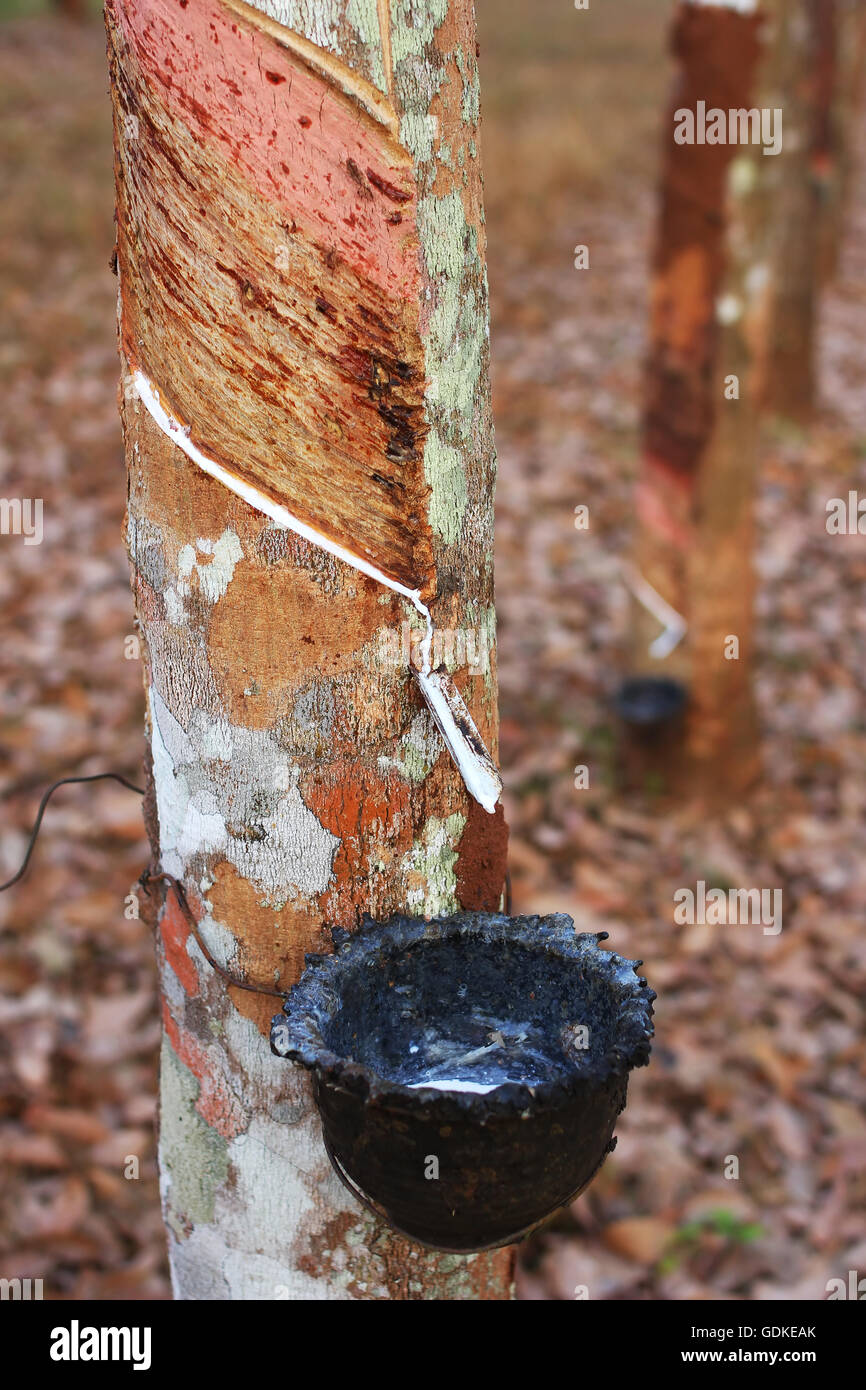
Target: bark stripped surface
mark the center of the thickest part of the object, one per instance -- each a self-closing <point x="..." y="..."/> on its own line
<point x="269" y="271"/>
<point x="299" y="780"/>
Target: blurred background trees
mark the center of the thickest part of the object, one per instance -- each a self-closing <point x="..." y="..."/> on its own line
<point x="743" y="248"/>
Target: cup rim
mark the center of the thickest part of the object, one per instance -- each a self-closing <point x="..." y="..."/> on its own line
<point x="314" y="1000"/>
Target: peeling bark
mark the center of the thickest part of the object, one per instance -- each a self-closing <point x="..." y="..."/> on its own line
<point x="298" y="778"/>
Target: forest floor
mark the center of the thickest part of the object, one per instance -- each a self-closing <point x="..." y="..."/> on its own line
<point x="759" y="1037"/>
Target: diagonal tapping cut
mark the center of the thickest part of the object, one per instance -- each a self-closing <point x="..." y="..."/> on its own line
<point x="329" y="68"/>
<point x="292" y="259"/>
<point x="280" y="296"/>
<point x="452" y="718"/>
<point x="673" y="623"/>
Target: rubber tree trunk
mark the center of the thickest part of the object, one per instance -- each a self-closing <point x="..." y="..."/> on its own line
<point x="812" y="73"/>
<point x="828" y="20"/>
<point x="801" y="80"/>
<point x="694" y="496"/>
<point x="301" y="257"/>
<point x="838" y="133"/>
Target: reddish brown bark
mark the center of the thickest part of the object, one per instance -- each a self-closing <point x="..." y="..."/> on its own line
<point x="801" y="70"/>
<point x="717" y="53"/>
<point x="694" y="491"/>
<point x="280" y="294"/>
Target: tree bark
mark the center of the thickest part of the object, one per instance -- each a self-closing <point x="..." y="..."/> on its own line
<point x="836" y="152"/>
<point x="696" y="478"/>
<point x="801" y="79"/>
<point x="813" y="72"/>
<point x="301" y="257"/>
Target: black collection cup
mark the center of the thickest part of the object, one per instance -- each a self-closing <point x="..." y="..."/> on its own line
<point x="469" y="1070"/>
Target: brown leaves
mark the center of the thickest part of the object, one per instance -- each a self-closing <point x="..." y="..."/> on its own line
<point x="640" y="1238"/>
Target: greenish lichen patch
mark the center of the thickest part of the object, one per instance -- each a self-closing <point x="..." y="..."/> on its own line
<point x="455" y="337"/>
<point x="434" y="857"/>
<point x="348" y="30"/>
<point x="193" y="1157"/>
<point x="442" y="229"/>
<point x="413" y="25"/>
<point x="418" y="750"/>
<point x="363" y="15"/>
<point x="455" y="346"/>
<point x="418" y="132"/>
<point x="443" y="469"/>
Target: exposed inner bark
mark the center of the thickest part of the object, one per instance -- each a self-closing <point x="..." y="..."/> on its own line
<point x="279" y="290"/>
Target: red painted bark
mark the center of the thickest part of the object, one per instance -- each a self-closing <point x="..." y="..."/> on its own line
<point x="280" y="293"/>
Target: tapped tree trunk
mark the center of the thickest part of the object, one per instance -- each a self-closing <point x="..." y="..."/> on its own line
<point x="800" y="82"/>
<point x="303" y="291"/>
<point x="695" y="484"/>
<point x="844" y="27"/>
<point x="811" y="74"/>
<point x="805" y="79"/>
<point x="745" y="235"/>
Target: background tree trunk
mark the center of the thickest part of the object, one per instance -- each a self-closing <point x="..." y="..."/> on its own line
<point x="836" y="151"/>
<point x="695" y="485"/>
<point x="799" y="81"/>
<point x="302" y="278"/>
<point x="743" y="245"/>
